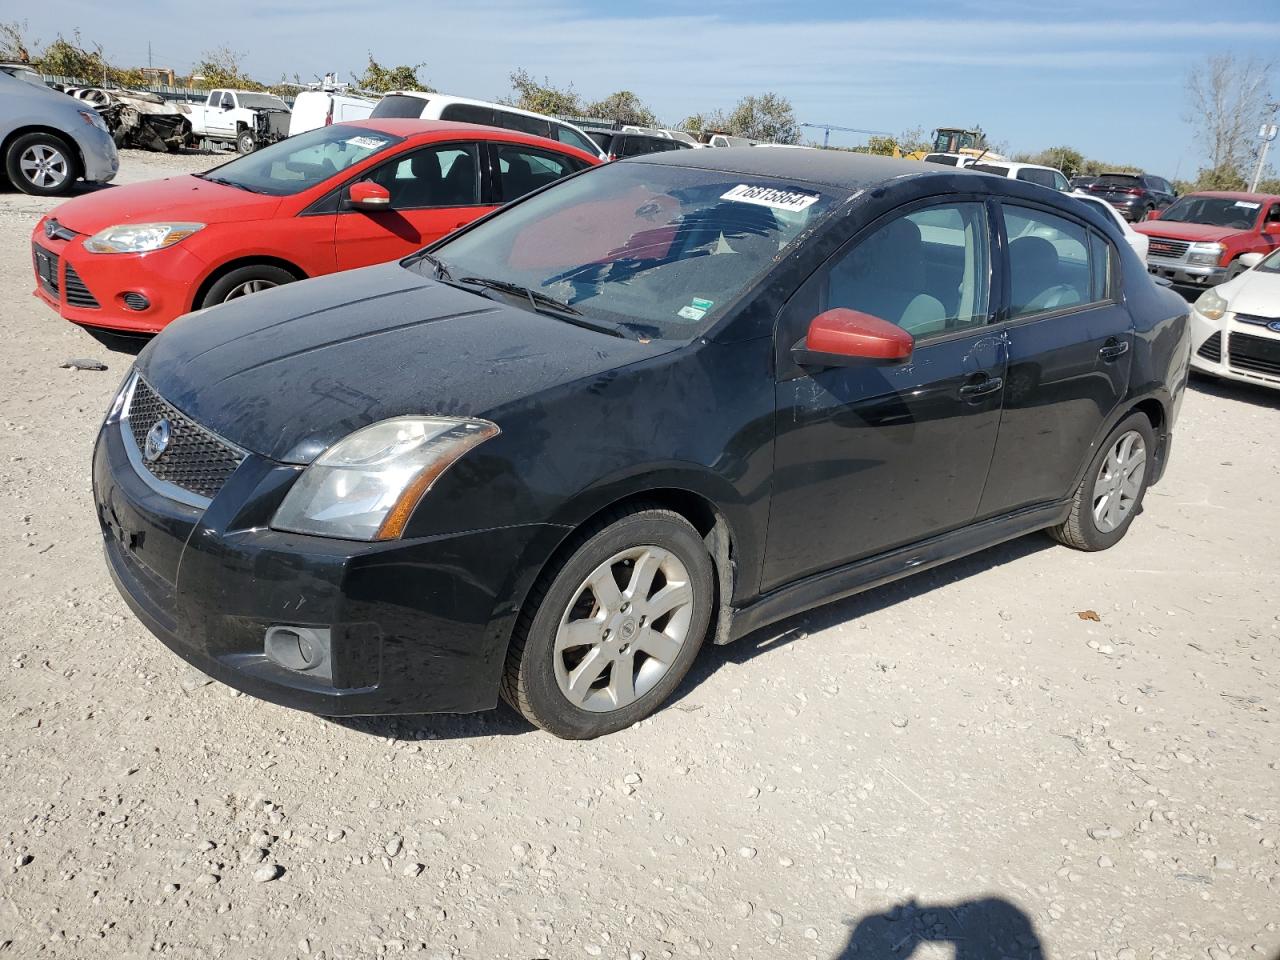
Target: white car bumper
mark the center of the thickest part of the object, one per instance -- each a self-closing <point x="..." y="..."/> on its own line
<point x="1247" y="349"/>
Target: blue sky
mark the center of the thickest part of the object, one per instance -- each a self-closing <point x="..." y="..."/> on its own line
<point x="1107" y="78"/>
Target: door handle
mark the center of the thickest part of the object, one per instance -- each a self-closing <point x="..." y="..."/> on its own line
<point x="1114" y="349"/>
<point x="972" y="391"/>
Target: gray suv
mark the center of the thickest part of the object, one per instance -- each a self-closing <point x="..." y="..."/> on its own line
<point x="47" y="139"/>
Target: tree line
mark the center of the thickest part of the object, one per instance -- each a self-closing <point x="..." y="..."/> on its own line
<point x="1228" y="99"/>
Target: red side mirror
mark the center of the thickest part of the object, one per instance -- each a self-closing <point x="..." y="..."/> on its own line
<point x="1153" y="215"/>
<point x="839" y="336"/>
<point x="367" y="195"/>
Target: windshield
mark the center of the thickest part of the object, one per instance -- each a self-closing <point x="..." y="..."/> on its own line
<point x="261" y="101"/>
<point x="301" y="162"/>
<point x="658" y="251"/>
<point x="1271" y="264"/>
<point x="1214" y="212"/>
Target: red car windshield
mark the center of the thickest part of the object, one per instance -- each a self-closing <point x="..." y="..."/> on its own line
<point x="661" y="251"/>
<point x="301" y="162"/>
<point x="1214" y="212"/>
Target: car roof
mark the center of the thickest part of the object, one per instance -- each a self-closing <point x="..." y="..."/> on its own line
<point x="1234" y="195"/>
<point x="410" y="127"/>
<point x="832" y="168"/>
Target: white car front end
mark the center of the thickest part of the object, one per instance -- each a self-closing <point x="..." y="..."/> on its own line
<point x="1235" y="327"/>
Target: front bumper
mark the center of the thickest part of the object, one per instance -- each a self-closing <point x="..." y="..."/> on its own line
<point x="1235" y="349"/>
<point x="98" y="151"/>
<point x="1186" y="274"/>
<point x="415" y="626"/>
<point x="96" y="290"/>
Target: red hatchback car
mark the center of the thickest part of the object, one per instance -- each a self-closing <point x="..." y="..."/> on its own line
<point x="349" y="195"/>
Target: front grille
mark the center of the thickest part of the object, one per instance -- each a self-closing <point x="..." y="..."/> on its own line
<point x="1169" y="249"/>
<point x="1255" y="354"/>
<point x="1254" y="318"/>
<point x="78" y="294"/>
<point x="46" y="264"/>
<point x="1211" y="349"/>
<point x="195" y="459"/>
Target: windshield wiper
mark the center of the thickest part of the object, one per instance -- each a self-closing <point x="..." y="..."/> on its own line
<point x="228" y="183"/>
<point x="542" y="303"/>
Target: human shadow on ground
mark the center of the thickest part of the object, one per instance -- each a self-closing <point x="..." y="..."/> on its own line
<point x="986" y="929"/>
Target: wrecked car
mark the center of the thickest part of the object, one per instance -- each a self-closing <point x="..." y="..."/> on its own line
<point x="138" y="118"/>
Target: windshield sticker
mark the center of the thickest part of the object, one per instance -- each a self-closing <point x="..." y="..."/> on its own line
<point x="365" y="143"/>
<point x="690" y="313"/>
<point x="1248" y="204"/>
<point x="770" y="197"/>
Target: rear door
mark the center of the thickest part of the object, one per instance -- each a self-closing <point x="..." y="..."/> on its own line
<point x="434" y="190"/>
<point x="880" y="455"/>
<point x="1070" y="344"/>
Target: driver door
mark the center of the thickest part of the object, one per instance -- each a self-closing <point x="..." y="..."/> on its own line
<point x="434" y="190"/>
<point x="880" y="454"/>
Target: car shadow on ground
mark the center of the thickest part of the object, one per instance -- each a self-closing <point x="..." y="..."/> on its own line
<point x="850" y="609"/>
<point x="126" y="343"/>
<point x="987" y="929"/>
<point x="1256" y="394"/>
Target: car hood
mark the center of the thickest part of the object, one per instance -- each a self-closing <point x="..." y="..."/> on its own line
<point x="1185" y="231"/>
<point x="1254" y="293"/>
<point x="288" y="372"/>
<point x="185" y="198"/>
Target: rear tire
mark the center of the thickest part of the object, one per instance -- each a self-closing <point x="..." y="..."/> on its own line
<point x="244" y="281"/>
<point x="42" y="165"/>
<point x="607" y="635"/>
<point x="1111" y="491"/>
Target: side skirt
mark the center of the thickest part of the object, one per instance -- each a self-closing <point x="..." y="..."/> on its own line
<point x="822" y="588"/>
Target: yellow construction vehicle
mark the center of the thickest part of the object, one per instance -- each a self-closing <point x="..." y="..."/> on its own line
<point x="957" y="140"/>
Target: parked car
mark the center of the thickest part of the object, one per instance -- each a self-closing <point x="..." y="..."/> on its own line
<point x="550" y="461"/>
<point x="1235" y="327"/>
<point x="320" y="108"/>
<point x="949" y="159"/>
<point x="1136" y="240"/>
<point x="1136" y="195"/>
<point x="246" y="118"/>
<point x="334" y="198"/>
<point x="1199" y="240"/>
<point x="137" y="118"/>
<point x="617" y="144"/>
<point x="1029" y="172"/>
<point x="48" y="141"/>
<point x="439" y="106"/>
<point x="727" y="140"/>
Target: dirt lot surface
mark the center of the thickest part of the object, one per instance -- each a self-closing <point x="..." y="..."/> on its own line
<point x="959" y="765"/>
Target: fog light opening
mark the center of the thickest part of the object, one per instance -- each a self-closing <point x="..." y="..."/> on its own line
<point x="136" y="301"/>
<point x="301" y="649"/>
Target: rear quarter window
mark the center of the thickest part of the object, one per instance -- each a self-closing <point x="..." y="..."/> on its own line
<point x="399" y="106"/>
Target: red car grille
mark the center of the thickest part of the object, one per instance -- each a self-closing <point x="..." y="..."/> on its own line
<point x="1164" y="247"/>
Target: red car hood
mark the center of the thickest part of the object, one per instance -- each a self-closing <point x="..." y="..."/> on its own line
<point x="185" y="198"/>
<point x="1185" y="231"/>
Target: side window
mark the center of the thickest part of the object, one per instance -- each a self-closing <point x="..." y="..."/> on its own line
<point x="518" y="121"/>
<point x="443" y="176"/>
<point x="1043" y="178"/>
<point x="1048" y="262"/>
<point x="572" y="138"/>
<point x="468" y="113"/>
<point x="228" y="102"/>
<point x="1273" y="217"/>
<point x="1101" y="258"/>
<point x="521" y="170"/>
<point x="1060" y="182"/>
<point x="929" y="271"/>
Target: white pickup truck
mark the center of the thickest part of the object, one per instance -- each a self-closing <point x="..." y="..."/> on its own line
<point x="248" y="119"/>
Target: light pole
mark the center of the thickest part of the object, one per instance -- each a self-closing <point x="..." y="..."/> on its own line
<point x="1266" y="135"/>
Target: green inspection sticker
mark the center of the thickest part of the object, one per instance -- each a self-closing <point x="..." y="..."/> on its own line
<point x="703" y="305"/>
<point x="696" y="310"/>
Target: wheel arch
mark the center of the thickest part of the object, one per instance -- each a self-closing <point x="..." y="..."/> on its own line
<point x="250" y="260"/>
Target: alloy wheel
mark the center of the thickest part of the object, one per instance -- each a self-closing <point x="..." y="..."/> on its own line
<point x="248" y="287"/>
<point x="623" y="629"/>
<point x="44" y="166"/>
<point x="1119" y="481"/>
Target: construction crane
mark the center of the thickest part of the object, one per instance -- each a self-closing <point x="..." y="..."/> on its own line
<point x="826" y="129"/>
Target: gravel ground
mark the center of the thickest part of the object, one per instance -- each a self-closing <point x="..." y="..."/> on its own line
<point x="958" y="765"/>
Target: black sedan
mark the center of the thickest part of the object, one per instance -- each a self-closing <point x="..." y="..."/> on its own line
<point x="666" y="401"/>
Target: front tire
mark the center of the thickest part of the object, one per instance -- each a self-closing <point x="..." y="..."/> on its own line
<point x="607" y="636"/>
<point x="41" y="164"/>
<point x="246" y="142"/>
<point x="1111" y="492"/>
<point x="244" y="281"/>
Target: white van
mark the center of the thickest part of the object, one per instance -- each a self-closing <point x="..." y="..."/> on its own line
<point x="319" y="108"/>
<point x="1030" y="172"/>
<point x="438" y="106"/>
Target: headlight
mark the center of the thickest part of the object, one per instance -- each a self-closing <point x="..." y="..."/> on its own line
<point x="366" y="485"/>
<point x="1205" y="253"/>
<point x="139" y="237"/>
<point x="94" y="119"/>
<point x="1211" y="304"/>
<point x="122" y="396"/>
